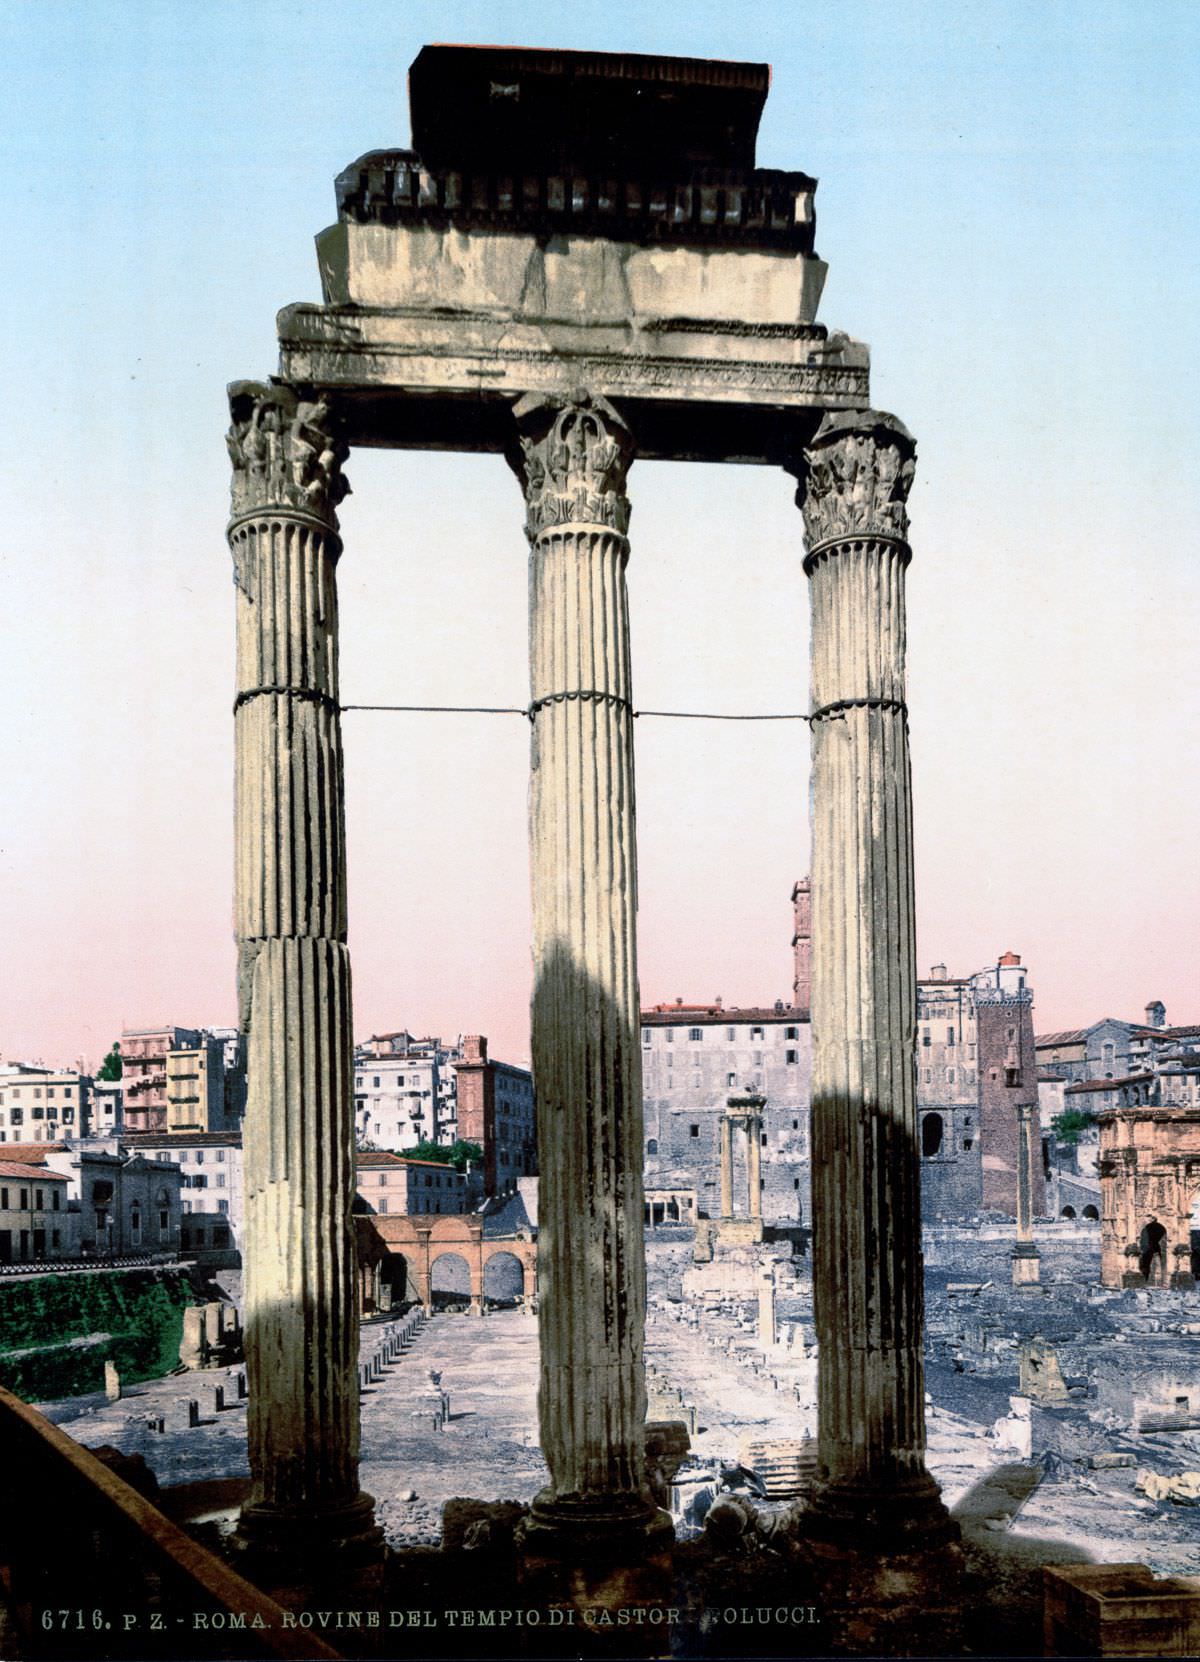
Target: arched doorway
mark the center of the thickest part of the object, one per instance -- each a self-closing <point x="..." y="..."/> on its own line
<point x="449" y="1280"/>
<point x="503" y="1281"/>
<point x="1091" y="1214"/>
<point x="1067" y="1212"/>
<point x="931" y="1135"/>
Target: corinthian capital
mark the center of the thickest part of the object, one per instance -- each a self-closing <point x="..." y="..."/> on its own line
<point x="855" y="478"/>
<point x="285" y="451"/>
<point x="573" y="460"/>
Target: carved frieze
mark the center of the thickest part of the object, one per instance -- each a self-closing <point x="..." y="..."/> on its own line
<point x="855" y="478"/>
<point x="573" y="461"/>
<point x="285" y="450"/>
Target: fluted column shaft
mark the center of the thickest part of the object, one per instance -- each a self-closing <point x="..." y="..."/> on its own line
<point x="754" y="1166"/>
<point x="726" y="1167"/>
<point x="1025" y="1172"/>
<point x="867" y="1264"/>
<point x="572" y="463"/>
<point x="301" y="1313"/>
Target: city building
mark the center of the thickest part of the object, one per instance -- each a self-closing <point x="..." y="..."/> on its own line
<point x="196" y="1088"/>
<point x="212" y="1209"/>
<point x="107" y="1115"/>
<point x="43" y="1105"/>
<point x="404" y="1091"/>
<point x="388" y="1184"/>
<point x="144" y="1053"/>
<point x="1101" y="1051"/>
<point x="495" y="1109"/>
<point x="975" y="1075"/>
<point x="121" y="1204"/>
<point x="1150" y="1189"/>
<point x="693" y="1056"/>
<point x="34" y="1214"/>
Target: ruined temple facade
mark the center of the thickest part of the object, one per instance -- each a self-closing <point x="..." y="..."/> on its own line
<point x="577" y="265"/>
<point x="1149" y="1170"/>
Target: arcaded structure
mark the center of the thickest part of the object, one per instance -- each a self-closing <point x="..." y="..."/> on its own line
<point x="1150" y="1197"/>
<point x="576" y="266"/>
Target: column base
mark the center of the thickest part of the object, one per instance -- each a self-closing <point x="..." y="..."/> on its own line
<point x="905" y="1514"/>
<point x="287" y="1543"/>
<point x="610" y="1529"/>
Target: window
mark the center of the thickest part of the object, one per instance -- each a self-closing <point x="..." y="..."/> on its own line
<point x="223" y="1207"/>
<point x="949" y="1076"/>
<point x="693" y="1130"/>
<point x="164" y="1223"/>
<point x="49" y="1092"/>
<point x="375" y="1082"/>
<point x="795" y="1182"/>
<point x="382" y="1177"/>
<point x="652" y="1146"/>
<point x="383" y="1203"/>
<point x="199" y="1156"/>
<point x="763" y="1139"/>
<point x="39" y="1200"/>
<point x="755" y="1033"/>
<point x="58" y="1200"/>
<point x="17" y="1114"/>
<point x="925" y="1038"/>
<point x="56" y="1238"/>
<point x="695" y="1034"/>
<point x="931" y="1135"/>
<point x="949" y="1035"/>
<point x="795" y="1125"/>
<point x="645" y="1039"/>
<point x="220" y="1180"/>
<point x="24" y="1200"/>
<point x="1012" y="1077"/>
<point x="220" y="1156"/>
<point x="670" y="1035"/>
<point x="731" y="1034"/>
<point x="3" y="1200"/>
<point x="968" y="1144"/>
<point x="792" y="1056"/>
<point x="791" y="1032"/>
<point x="67" y="1091"/>
<point x="135" y="1226"/>
<point x="731" y="1078"/>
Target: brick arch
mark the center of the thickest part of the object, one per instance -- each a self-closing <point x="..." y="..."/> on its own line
<point x="423" y="1240"/>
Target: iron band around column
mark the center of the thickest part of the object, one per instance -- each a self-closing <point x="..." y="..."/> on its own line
<point x="616" y="699"/>
<point x="309" y="695"/>
<point x="839" y="706"/>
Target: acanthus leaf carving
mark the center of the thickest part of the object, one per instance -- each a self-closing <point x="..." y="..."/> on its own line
<point x="286" y="451"/>
<point x="573" y="462"/>
<point x="855" y="478"/>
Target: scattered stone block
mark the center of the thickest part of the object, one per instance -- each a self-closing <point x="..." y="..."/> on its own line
<point x="1108" y="1462"/>
<point x="1119" y="1610"/>
<point x="112" y="1382"/>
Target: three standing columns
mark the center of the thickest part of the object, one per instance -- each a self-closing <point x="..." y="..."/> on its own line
<point x="301" y="1313"/>
<point x="572" y="459"/>
<point x="867" y="1262"/>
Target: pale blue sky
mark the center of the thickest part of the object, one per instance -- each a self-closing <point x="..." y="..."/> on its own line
<point x="1007" y="204"/>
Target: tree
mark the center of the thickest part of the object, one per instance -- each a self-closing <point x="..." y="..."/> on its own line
<point x="1070" y="1125"/>
<point x="455" y="1154"/>
<point x="110" y="1068"/>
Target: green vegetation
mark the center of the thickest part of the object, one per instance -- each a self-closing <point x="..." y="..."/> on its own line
<point x="446" y="1154"/>
<point x="138" y="1312"/>
<point x="1070" y="1125"/>
<point x="110" y="1068"/>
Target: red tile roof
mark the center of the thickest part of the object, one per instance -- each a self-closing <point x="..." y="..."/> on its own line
<point x="1075" y="1036"/>
<point x="32" y="1154"/>
<point x="28" y="1169"/>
